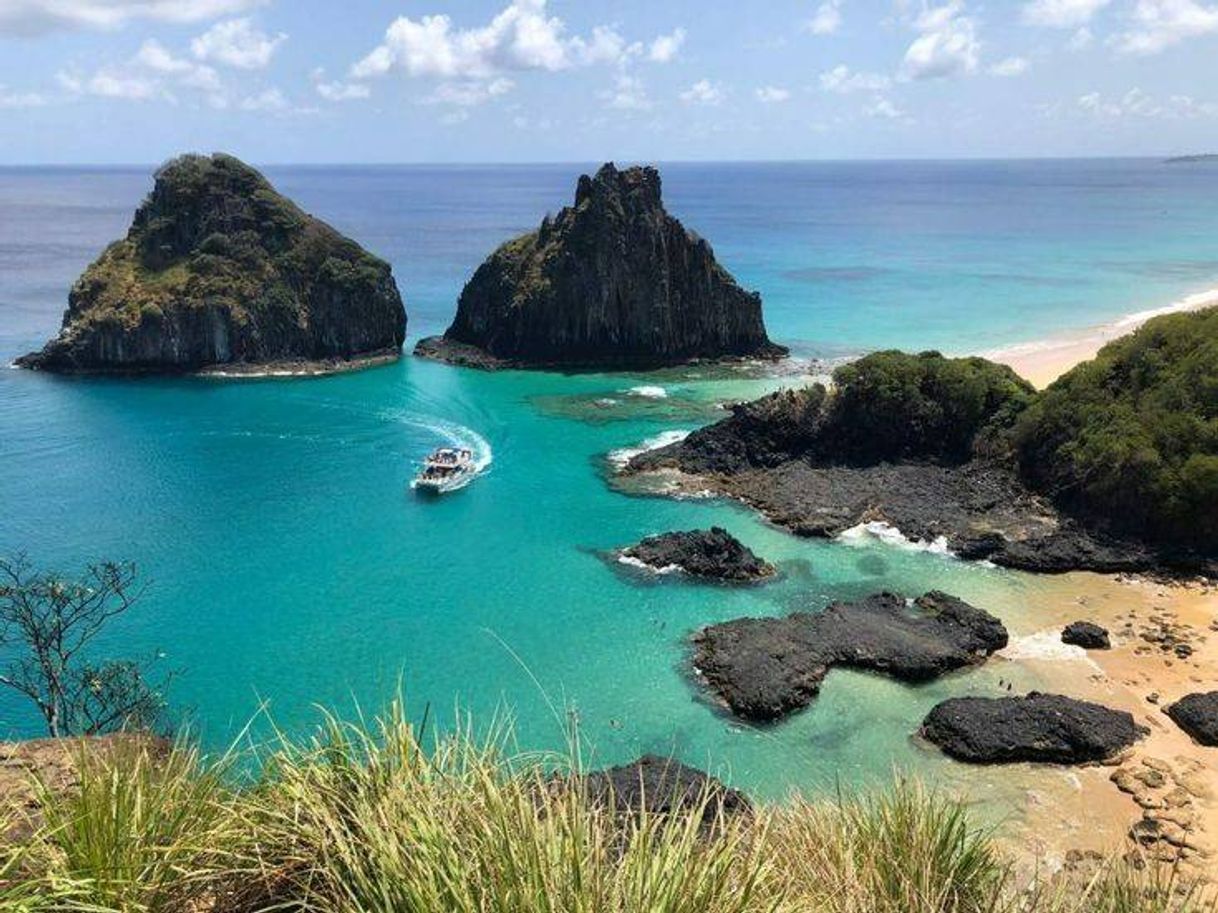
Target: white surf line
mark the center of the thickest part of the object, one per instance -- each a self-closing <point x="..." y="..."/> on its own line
<point x="887" y="534"/>
<point x="623" y="455"/>
<point x="1105" y="332"/>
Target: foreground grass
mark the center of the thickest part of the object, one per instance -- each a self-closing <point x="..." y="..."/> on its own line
<point x="362" y="819"/>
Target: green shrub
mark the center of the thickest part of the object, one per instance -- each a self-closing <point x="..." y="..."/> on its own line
<point x="893" y="406"/>
<point x="1131" y="438"/>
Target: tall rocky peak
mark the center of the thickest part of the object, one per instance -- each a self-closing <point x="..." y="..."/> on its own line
<point x="611" y="281"/>
<point x="218" y="268"/>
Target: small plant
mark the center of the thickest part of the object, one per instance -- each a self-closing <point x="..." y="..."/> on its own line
<point x="50" y="622"/>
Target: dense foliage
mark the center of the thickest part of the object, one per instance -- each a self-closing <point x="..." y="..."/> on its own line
<point x="1131" y="438"/>
<point x="213" y="231"/>
<point x="892" y="406"/>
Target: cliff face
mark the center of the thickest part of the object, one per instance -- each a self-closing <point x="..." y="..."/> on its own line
<point x="611" y="280"/>
<point x="218" y="268"/>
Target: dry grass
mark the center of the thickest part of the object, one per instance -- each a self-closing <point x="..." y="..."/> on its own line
<point x="364" y="819"/>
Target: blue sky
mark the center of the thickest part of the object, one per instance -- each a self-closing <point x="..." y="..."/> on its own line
<point x="115" y="81"/>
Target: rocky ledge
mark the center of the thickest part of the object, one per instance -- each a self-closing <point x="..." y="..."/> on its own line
<point x="1034" y="727"/>
<point x="920" y="442"/>
<point x="713" y="554"/>
<point x="1087" y="635"/>
<point x="1197" y="714"/>
<point x="663" y="786"/>
<point x="218" y="269"/>
<point x="611" y="281"/>
<point x="765" y="668"/>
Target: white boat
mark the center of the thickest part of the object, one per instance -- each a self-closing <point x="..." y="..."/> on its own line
<point x="445" y="469"/>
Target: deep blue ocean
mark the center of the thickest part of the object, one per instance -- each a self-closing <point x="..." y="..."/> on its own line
<point x="289" y="565"/>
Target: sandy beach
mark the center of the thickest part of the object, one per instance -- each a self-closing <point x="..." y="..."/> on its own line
<point x="1052" y="814"/>
<point x="1044" y="361"/>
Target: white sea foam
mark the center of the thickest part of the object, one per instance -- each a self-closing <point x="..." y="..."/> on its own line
<point x="635" y="562"/>
<point x="648" y="391"/>
<point x="623" y="455"/>
<point x="886" y="533"/>
<point x="1045" y="645"/>
<point x="453" y="435"/>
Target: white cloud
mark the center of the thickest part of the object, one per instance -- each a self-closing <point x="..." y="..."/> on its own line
<point x="470" y="93"/>
<point x="153" y="71"/>
<point x="843" y="80"/>
<point x="1137" y="104"/>
<point x="666" y="47"/>
<point x="33" y="17"/>
<point x="946" y="46"/>
<point x="703" y="92"/>
<point x="1011" y="66"/>
<point x="1159" y="24"/>
<point x="267" y="100"/>
<point x="827" y="19"/>
<point x="1081" y="40"/>
<point x="21" y="99"/>
<point x="236" y="43"/>
<point x="520" y="37"/>
<point x="628" y="94"/>
<point x="1061" y="14"/>
<point x="156" y="57"/>
<point x="772" y="94"/>
<point x="337" y="90"/>
<point x="884" y="109"/>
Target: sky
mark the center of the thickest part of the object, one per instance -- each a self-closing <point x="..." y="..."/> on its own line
<point x="388" y="81"/>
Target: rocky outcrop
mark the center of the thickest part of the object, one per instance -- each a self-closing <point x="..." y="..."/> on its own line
<point x="220" y="269"/>
<point x="798" y="456"/>
<point x="611" y="281"/>
<point x="1087" y="635"/>
<point x="1034" y="727"/>
<point x="1197" y="714"/>
<point x="714" y="554"/>
<point x="765" y="668"/>
<point x="663" y="786"/>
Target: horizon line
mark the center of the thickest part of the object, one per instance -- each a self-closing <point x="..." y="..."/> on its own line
<point x="471" y="163"/>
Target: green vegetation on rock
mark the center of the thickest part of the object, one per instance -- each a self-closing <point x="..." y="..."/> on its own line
<point x="893" y="406"/>
<point x="218" y="267"/>
<point x="1130" y="439"/>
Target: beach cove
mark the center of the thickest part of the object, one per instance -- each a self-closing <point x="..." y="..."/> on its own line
<point x="290" y="564"/>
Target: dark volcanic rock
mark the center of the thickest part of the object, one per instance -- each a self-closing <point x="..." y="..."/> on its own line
<point x="663" y="786"/>
<point x="1197" y="714"/>
<point x="1087" y="635"/>
<point x="1036" y="727"/>
<point x="770" y="454"/>
<point x="611" y="281"/>
<point x="763" y="668"/>
<point x="219" y="269"/>
<point x="713" y="553"/>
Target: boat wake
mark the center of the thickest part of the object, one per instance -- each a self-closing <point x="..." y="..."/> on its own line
<point x="453" y="435"/>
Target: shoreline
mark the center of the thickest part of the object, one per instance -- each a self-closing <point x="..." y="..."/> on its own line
<point x="1043" y="361"/>
<point x="1059" y="812"/>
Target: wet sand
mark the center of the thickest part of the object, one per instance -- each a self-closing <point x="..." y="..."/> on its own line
<point x="1048" y="810"/>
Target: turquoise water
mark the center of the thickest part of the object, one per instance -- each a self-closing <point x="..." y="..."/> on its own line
<point x="289" y="563"/>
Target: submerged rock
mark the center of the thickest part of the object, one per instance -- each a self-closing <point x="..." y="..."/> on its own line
<point x="1087" y="635"/>
<point x="663" y="786"/>
<point x="1197" y="714"/>
<point x="219" y="269"/>
<point x="764" y="668"/>
<point x="613" y="280"/>
<point x="712" y="553"/>
<point x="1035" y="727"/>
